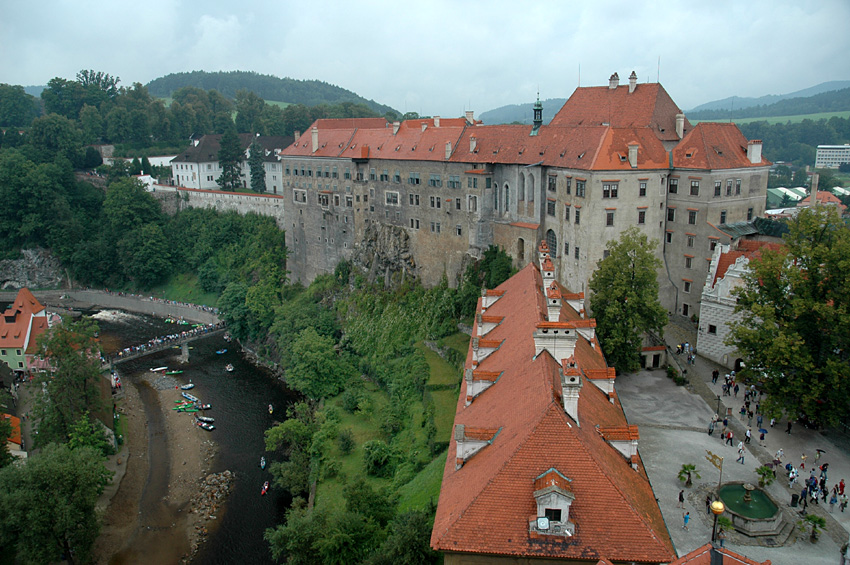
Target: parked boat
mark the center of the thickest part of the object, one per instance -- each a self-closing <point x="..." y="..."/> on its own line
<point x="271" y="409"/>
<point x="200" y="406"/>
<point x="174" y="372"/>
<point x="188" y="386"/>
<point x="158" y="369"/>
<point x="262" y="462"/>
<point x="188" y="396"/>
<point x="206" y="419"/>
<point x="221" y="351"/>
<point x="228" y="368"/>
<point x="206" y="425"/>
<point x="265" y="488"/>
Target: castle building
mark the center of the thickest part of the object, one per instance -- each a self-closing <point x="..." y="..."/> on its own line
<point x="542" y="463"/>
<point x="198" y="166"/>
<point x="424" y="196"/>
<point x="21" y="325"/>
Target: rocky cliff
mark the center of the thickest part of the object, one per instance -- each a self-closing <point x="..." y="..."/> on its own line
<point x="384" y="252"/>
<point x="37" y="268"/>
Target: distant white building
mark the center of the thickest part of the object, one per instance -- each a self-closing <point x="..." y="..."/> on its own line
<point x="830" y="156"/>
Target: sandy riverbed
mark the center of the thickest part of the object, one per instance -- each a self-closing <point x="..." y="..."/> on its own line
<point x="151" y="518"/>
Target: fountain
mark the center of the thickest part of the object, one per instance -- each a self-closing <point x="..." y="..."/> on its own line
<point x="751" y="510"/>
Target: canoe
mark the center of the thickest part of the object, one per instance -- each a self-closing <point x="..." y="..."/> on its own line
<point x="221" y="351"/>
<point x="157" y="369"/>
<point x="265" y="488"/>
<point x="228" y="368"/>
<point x="173" y="372"/>
<point x="189" y="386"/>
<point x="205" y="425"/>
<point x="262" y="462"/>
<point x="205" y="419"/>
<point x="203" y="406"/>
<point x="188" y="396"/>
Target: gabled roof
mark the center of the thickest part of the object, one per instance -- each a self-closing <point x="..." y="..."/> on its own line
<point x="209" y="145"/>
<point x="649" y="106"/>
<point x="486" y="505"/>
<point x="16" y="429"/>
<point x="703" y="556"/>
<point x="749" y="248"/>
<point x="712" y="146"/>
<point x="822" y="197"/>
<point x="16" y="321"/>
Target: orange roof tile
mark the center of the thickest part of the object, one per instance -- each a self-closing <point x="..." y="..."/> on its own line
<point x="16" y="428"/>
<point x="485" y="505"/>
<point x="713" y="145"/>
<point x="703" y="556"/>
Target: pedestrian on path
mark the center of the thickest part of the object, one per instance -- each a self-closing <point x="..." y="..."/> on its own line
<point x="681" y="499"/>
<point x="721" y="535"/>
<point x="788" y="429"/>
<point x="740" y="458"/>
<point x="803" y="461"/>
<point x="843" y="505"/>
<point x="772" y="422"/>
<point x="737" y="388"/>
<point x="729" y="436"/>
<point x="759" y="420"/>
<point x="714" y="376"/>
<point x="749" y="436"/>
<point x="841" y="487"/>
<point x="686" y="517"/>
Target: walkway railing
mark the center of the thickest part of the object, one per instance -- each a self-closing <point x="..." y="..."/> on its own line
<point x="161" y="343"/>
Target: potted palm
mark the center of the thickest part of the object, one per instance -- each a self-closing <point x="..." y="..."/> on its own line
<point x="766" y="476"/>
<point x="814" y="523"/>
<point x="687" y="472"/>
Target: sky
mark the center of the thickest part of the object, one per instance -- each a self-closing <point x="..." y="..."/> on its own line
<point x="441" y="57"/>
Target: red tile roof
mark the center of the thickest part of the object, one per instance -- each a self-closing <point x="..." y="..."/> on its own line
<point x="15" y="324"/>
<point x="16" y="429"/>
<point x="486" y="505"/>
<point x="749" y="248"/>
<point x="713" y="145"/>
<point x="822" y="197"/>
<point x="702" y="556"/>
<point x="649" y="106"/>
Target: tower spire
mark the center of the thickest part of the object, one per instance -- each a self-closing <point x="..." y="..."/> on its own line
<point x="538" y="115"/>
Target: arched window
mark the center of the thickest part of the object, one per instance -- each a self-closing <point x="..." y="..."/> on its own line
<point x="531" y="187"/>
<point x="552" y="242"/>
<point x="520" y="249"/>
<point x="520" y="195"/>
<point x="496" y="198"/>
<point x="507" y="198"/>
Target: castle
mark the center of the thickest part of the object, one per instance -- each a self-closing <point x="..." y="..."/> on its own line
<point x="424" y="196"/>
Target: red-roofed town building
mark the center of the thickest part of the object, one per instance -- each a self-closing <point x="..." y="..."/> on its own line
<point x="709" y="555"/>
<point x="21" y="324"/>
<point x="823" y="198"/>
<point x="542" y="463"/>
<point x="14" y="442"/>
<point x="729" y="264"/>
<point x="422" y="197"/>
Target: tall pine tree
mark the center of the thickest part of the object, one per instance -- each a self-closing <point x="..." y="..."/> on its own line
<point x="229" y="159"/>
<point x="257" y="166"/>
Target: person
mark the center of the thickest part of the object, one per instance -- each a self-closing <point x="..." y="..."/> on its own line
<point x="803" y="461"/>
<point x="686" y="518"/>
<point x="843" y="503"/>
<point x="721" y="536"/>
<point x="761" y="438"/>
<point x="714" y="376"/>
<point x="788" y="429"/>
<point x="737" y="388"/>
<point x="711" y="426"/>
<point x="841" y="487"/>
<point x="823" y="469"/>
<point x="759" y="420"/>
<point x="749" y="435"/>
<point x="729" y="436"/>
<point x="740" y="458"/>
<point x="708" y="503"/>
<point x="681" y="499"/>
<point x="772" y="422"/>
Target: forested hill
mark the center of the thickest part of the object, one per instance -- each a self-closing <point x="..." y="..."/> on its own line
<point x="833" y="101"/>
<point x="749" y="102"/>
<point x="267" y="87"/>
<point x="522" y="113"/>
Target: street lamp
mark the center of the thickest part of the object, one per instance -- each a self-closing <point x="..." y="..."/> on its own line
<point x="717" y="508"/>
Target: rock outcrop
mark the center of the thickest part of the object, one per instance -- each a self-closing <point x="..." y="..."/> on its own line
<point x="37" y="268"/>
<point x="384" y="252"/>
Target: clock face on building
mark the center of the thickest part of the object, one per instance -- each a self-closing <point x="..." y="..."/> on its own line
<point x="543" y="523"/>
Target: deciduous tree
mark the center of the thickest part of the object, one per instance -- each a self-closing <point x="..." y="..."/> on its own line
<point x="318" y="370"/>
<point x="625" y="298"/>
<point x="794" y="334"/>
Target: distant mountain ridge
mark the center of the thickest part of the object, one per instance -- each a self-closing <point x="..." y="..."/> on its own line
<point x="739" y="103"/>
<point x="522" y="113"/>
<point x="267" y="87"/>
<point x="830" y="101"/>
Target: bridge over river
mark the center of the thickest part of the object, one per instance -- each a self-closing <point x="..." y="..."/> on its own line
<point x="171" y="341"/>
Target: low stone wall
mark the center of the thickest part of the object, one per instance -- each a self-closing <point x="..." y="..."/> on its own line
<point x="262" y="204"/>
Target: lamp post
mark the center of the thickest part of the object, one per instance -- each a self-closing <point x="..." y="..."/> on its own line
<point x="717" y="508"/>
<point x="718" y="406"/>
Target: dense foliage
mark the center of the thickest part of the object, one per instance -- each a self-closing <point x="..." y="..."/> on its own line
<point x="797" y="142"/>
<point x="795" y="327"/>
<point x="625" y="299"/>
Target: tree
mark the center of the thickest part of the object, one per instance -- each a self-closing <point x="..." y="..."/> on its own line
<point x="318" y="370"/>
<point x="49" y="504"/>
<point x="17" y="108"/>
<point x="294" y="437"/>
<point x="249" y="111"/>
<point x="91" y="124"/>
<point x="5" y="434"/>
<point x="408" y="542"/>
<point x="687" y="472"/>
<point x="54" y="135"/>
<point x="794" y="332"/>
<point x="73" y="387"/>
<point x="844" y="167"/>
<point x="99" y="80"/>
<point x="89" y="433"/>
<point x="376" y="505"/>
<point x="625" y="298"/>
<point x="229" y="159"/>
<point x="256" y="164"/>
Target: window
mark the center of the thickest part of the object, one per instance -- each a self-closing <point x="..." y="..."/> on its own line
<point x="575" y="254"/>
<point x="669" y="237"/>
<point x="712" y="329"/>
<point x="550" y="207"/>
<point x="397" y="177"/>
<point x="749" y="214"/>
<point x="336" y="199"/>
<point x="712" y="244"/>
<point x="692" y="217"/>
<point x="335" y="174"/>
<point x="413" y="178"/>
<point x="641" y="217"/>
<point x="434" y="180"/>
<point x="347" y="173"/>
<point x="436" y="202"/>
<point x="413" y="199"/>
<point x="567" y="212"/>
<point x="508" y="199"/>
<point x="488" y="183"/>
<point x="718" y="186"/>
<point x="299" y="195"/>
<point x="457" y="203"/>
<point x="569" y="184"/>
<point x="327" y="172"/>
<point x="694" y="188"/>
<point x="435" y="227"/>
<point x="458" y="230"/>
<point x="385" y="176"/>
<point x="687" y="286"/>
<point x="609" y="190"/>
<point x="674" y="186"/>
<point x="566" y="248"/>
<point x="471" y="182"/>
<point x="685" y="309"/>
<point x="728" y="187"/>
<point x="580" y="188"/>
<point x="414" y="223"/>
<point x="348" y="202"/>
<point x="286" y="170"/>
<point x="690" y="240"/>
<point x="472" y="203"/>
<point x="554" y="514"/>
<point x="454" y="181"/>
<point x="609" y="218"/>
<point x="553" y="180"/>
<point x="642" y="188"/>
<point x="392" y="198"/>
<point x="723" y="216"/>
<point x="578" y="216"/>
<point x="737" y="187"/>
<point x="671" y="214"/>
<point x="323" y="200"/>
<point x="689" y="261"/>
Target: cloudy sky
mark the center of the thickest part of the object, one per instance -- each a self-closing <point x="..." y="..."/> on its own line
<point x="441" y="57"/>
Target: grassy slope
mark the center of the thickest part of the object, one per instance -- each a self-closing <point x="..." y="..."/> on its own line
<point x="184" y="288"/>
<point x="783" y="119"/>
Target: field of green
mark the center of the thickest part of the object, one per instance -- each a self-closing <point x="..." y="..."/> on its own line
<point x="184" y="288"/>
<point x="782" y="119"/>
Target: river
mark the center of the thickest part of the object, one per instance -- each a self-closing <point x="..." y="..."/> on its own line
<point x="240" y="403"/>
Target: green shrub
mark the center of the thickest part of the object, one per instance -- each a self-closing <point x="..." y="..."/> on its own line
<point x="378" y="459"/>
<point x="345" y="440"/>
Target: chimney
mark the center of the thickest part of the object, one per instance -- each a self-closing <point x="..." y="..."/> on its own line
<point x="553" y="303"/>
<point x="424" y="125"/>
<point x="570" y="386"/>
<point x="469" y="117"/>
<point x="680" y="125"/>
<point x="614" y="81"/>
<point x="633" y="153"/>
<point x="436" y="121"/>
<point x="472" y="143"/>
<point x="315" y="135"/>
<point x="754" y="151"/>
<point x="448" y="149"/>
<point x="297" y="135"/>
<point x="396" y="125"/>
<point x="632" y="82"/>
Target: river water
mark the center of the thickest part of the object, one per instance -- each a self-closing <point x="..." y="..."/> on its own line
<point x="240" y="403"/>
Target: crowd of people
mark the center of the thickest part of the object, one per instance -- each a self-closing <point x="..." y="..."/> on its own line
<point x="162" y="342"/>
<point x="202" y="307"/>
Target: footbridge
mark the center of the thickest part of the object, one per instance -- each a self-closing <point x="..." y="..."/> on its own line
<point x="178" y="340"/>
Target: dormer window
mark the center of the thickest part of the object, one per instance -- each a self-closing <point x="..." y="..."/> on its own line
<point x="553" y="496"/>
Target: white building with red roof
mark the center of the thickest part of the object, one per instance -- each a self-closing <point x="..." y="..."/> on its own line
<point x="542" y="463"/>
<point x="21" y="324"/>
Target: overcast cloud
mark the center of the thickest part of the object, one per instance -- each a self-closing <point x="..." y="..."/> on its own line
<point x="441" y="57"/>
